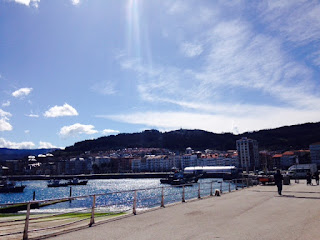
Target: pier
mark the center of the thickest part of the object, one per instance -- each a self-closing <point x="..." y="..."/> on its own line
<point x="253" y="213"/>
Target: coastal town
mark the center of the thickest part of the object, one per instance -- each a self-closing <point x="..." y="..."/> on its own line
<point x="246" y="157"/>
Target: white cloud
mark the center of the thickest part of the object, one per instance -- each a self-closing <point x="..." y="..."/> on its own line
<point x="32" y="115"/>
<point x="104" y="88"/>
<point x="22" y="92"/>
<point x="110" y="132"/>
<point x="6" y="104"/>
<point x="46" y="145"/>
<point x="60" y="111"/>
<point x="4" y="114"/>
<point x="13" y="145"/>
<point x="4" y="121"/>
<point x="33" y="3"/>
<point x="75" y="2"/>
<point x="191" y="49"/>
<point x="27" y="131"/>
<point x="77" y="129"/>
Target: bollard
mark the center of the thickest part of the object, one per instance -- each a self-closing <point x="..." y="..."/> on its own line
<point x="229" y="186"/>
<point x="221" y="187"/>
<point x="247" y="182"/>
<point x="70" y="193"/>
<point x="199" y="194"/>
<point x="162" y="197"/>
<point x="211" y="190"/>
<point x="183" y="199"/>
<point x="26" y="223"/>
<point x="34" y="195"/>
<point x="134" y="211"/>
<point x="92" y="211"/>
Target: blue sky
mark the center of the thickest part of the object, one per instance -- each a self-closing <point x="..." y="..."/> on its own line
<point x="72" y="70"/>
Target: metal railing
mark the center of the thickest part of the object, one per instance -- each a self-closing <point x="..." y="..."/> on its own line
<point x="31" y="225"/>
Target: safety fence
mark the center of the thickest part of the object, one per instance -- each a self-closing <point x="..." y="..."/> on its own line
<point x="98" y="208"/>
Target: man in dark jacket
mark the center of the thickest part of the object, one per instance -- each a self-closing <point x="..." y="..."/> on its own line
<point x="278" y="181"/>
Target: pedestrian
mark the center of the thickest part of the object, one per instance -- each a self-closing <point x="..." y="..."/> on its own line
<point x="309" y="178"/>
<point x="316" y="176"/>
<point x="278" y="181"/>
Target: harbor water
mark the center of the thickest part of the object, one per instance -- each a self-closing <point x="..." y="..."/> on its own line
<point x="112" y="194"/>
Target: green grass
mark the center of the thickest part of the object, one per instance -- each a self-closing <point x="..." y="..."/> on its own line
<point x="85" y="215"/>
<point x="65" y="215"/>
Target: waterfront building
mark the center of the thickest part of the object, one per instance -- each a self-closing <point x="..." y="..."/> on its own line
<point x="315" y="153"/>
<point x="248" y="153"/>
<point x="78" y="166"/>
<point x="188" y="160"/>
<point x="288" y="159"/>
<point x="136" y="165"/>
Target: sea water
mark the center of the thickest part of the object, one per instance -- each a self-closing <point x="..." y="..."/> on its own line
<point x="111" y="194"/>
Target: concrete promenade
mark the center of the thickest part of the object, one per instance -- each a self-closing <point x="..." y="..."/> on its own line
<point x="254" y="213"/>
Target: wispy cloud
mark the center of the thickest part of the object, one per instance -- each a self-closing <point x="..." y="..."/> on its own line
<point x="32" y="3"/>
<point x="191" y="49"/>
<point x="14" y="145"/>
<point x="110" y="132"/>
<point x="61" y="111"/>
<point x="296" y="21"/>
<point x="259" y="119"/>
<point x="77" y="129"/>
<point x="6" y="104"/>
<point x="4" y="121"/>
<point x="238" y="65"/>
<point x="104" y="88"/>
<point x="22" y="92"/>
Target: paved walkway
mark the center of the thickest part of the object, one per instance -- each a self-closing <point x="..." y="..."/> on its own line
<point x="254" y="213"/>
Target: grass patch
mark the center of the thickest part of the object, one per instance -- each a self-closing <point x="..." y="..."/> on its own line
<point x="85" y="215"/>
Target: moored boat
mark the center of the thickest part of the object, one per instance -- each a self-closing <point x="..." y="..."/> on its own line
<point x="57" y="183"/>
<point x="7" y="186"/>
<point x="179" y="178"/>
<point x="76" y="181"/>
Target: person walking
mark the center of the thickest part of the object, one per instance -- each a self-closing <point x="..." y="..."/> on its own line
<point x="278" y="178"/>
<point x="316" y="176"/>
<point x="309" y="178"/>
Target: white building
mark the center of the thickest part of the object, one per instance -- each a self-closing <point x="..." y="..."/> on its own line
<point x="248" y="153"/>
<point x="315" y="153"/>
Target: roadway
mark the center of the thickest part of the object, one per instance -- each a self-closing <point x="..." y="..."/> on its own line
<point x="253" y="213"/>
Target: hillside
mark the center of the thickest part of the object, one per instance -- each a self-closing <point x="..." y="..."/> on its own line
<point x="7" y="154"/>
<point x="283" y="138"/>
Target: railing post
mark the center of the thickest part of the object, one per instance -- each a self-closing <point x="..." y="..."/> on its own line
<point x="26" y="223"/>
<point x="134" y="210"/>
<point x="162" y="197"/>
<point x="242" y="180"/>
<point x="247" y="182"/>
<point x="92" y="211"/>
<point x="229" y="186"/>
<point x="183" y="197"/>
<point x="236" y="183"/>
<point x="199" y="193"/>
<point x="211" y="189"/>
<point x="221" y="186"/>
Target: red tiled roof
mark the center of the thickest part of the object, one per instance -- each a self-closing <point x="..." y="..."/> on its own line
<point x="288" y="153"/>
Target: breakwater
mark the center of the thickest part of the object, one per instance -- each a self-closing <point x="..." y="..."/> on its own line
<point x="90" y="176"/>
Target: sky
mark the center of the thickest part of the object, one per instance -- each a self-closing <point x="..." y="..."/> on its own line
<point x="72" y="70"/>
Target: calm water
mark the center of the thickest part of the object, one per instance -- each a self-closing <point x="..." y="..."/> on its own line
<point x="112" y="201"/>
